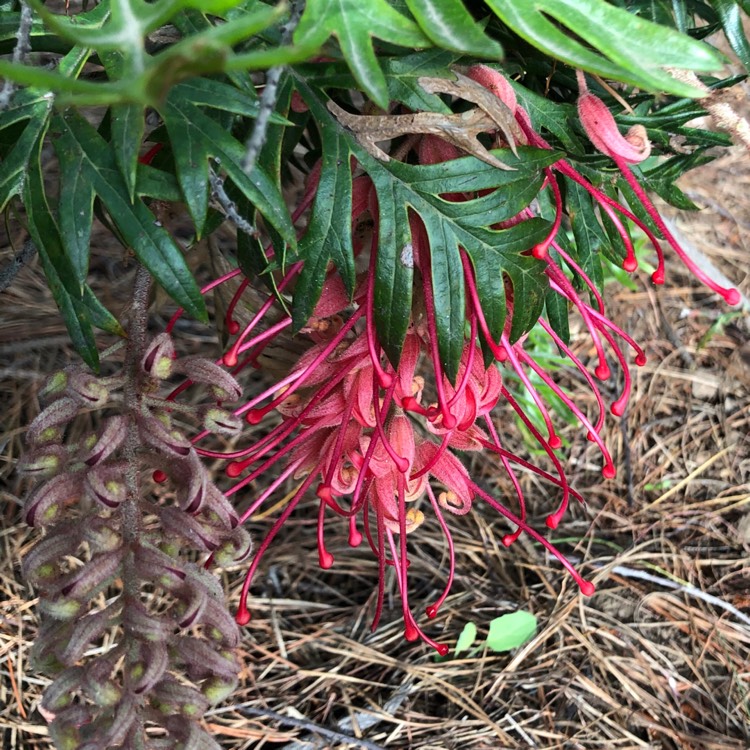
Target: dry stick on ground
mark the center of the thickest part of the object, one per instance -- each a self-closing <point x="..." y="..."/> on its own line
<point x="10" y="271"/>
<point x="309" y="726"/>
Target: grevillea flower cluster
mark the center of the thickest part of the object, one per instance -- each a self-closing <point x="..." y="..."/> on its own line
<point x="136" y="636"/>
<point x="376" y="441"/>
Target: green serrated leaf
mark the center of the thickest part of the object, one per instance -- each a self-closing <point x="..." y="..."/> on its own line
<point x="153" y="246"/>
<point x="66" y="290"/>
<point x="403" y="74"/>
<point x="511" y="631"/>
<point x="637" y="53"/>
<point x="449" y="25"/>
<point x="209" y="140"/>
<point x="451" y="226"/>
<point x="394" y="271"/>
<point x="329" y="231"/>
<point x="354" y="24"/>
<point x="128" y="122"/>
<point x="589" y="236"/>
<point x="75" y="206"/>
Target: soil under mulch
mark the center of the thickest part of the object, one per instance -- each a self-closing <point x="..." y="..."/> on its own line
<point x="658" y="658"/>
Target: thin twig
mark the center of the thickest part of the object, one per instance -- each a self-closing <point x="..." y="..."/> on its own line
<point x="308" y="726"/>
<point x="229" y="206"/>
<point x="22" y="48"/>
<point x="10" y="271"/>
<point x="685" y="588"/>
<point x="267" y="102"/>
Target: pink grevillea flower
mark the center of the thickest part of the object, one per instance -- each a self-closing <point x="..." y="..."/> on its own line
<point x="359" y="437"/>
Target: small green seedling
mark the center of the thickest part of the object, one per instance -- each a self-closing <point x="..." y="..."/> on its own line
<point x="506" y="633"/>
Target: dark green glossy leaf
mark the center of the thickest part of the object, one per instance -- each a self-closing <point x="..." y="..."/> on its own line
<point x="153" y="246"/>
<point x="209" y="140"/>
<point x="128" y="121"/>
<point x="394" y="271"/>
<point x="67" y="292"/>
<point x="75" y="206"/>
<point x="449" y="25"/>
<point x="355" y="23"/>
<point x="556" y="307"/>
<point x="637" y="53"/>
<point x="589" y="236"/>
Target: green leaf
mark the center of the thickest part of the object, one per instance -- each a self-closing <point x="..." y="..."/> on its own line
<point x="449" y="25"/>
<point x="466" y="639"/>
<point x="589" y="236"/>
<point x="403" y="74"/>
<point x="355" y="23"/>
<point x="556" y="307"/>
<point x="511" y="631"/>
<point x="61" y="278"/>
<point x="732" y="22"/>
<point x="207" y="139"/>
<point x="625" y="47"/>
<point x="128" y="122"/>
<point x="394" y="271"/>
<point x="153" y="246"/>
<point x="329" y="232"/>
<point x="15" y="165"/>
<point x="75" y="208"/>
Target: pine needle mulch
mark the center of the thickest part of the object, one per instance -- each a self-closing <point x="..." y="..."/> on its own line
<point x="658" y="658"/>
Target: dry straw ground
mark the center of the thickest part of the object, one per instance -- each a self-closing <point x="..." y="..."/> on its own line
<point x="658" y="658"/>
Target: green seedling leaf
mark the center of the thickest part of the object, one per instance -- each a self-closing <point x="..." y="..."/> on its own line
<point x="466" y="639"/>
<point x="511" y="631"/>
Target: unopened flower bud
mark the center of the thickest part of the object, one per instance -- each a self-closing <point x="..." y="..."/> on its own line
<point x="86" y="631"/>
<point x="191" y="606"/>
<point x="55" y="385"/>
<point x="200" y="370"/>
<point x="100" y="535"/>
<point x="202" y="660"/>
<point x="203" y="536"/>
<point x="44" y="503"/>
<point x="159" y="357"/>
<point x="139" y="623"/>
<point x="61" y="608"/>
<point x="602" y="130"/>
<point x="61" y="692"/>
<point x="172" y="443"/>
<point x="222" y="422"/>
<point x="220" y="626"/>
<point x="151" y="664"/>
<point x="105" y="484"/>
<point x="87" y="389"/>
<point x="47" y="426"/>
<point x="40" y="565"/>
<point x="171" y="697"/>
<point x="110" y="439"/>
<point x="217" y="689"/>
<point x="83" y="581"/>
<point x="43" y="462"/>
<point x="236" y="549"/>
